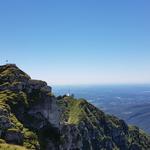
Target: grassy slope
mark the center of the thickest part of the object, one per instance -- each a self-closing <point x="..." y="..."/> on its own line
<point x="8" y="101"/>
<point x="11" y="147"/>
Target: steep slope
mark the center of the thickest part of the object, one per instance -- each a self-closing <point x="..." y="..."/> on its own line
<point x="88" y="128"/>
<point x="27" y="109"/>
<point x="32" y="117"/>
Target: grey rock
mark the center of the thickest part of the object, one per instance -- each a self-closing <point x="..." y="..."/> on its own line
<point x="14" y="137"/>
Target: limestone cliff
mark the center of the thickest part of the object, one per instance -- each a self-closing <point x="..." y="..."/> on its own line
<point x="33" y="118"/>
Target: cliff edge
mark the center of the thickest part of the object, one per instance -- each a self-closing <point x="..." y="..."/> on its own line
<point x="32" y="118"/>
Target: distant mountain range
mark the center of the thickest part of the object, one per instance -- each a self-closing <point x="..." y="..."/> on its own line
<point x="136" y="114"/>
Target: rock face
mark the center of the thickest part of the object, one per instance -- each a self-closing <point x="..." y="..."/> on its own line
<point x="88" y="128"/>
<point x="27" y="108"/>
<point x="32" y="117"/>
<point x="48" y="109"/>
<point x="14" y="137"/>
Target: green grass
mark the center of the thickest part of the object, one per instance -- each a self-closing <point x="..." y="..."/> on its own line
<point x="10" y="71"/>
<point x="2" y="141"/>
<point x="75" y="110"/>
<point x="11" y="147"/>
<point x="30" y="139"/>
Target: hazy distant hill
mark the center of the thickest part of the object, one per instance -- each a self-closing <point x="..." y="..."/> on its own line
<point x="135" y="114"/>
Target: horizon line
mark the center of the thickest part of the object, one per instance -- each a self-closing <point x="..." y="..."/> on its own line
<point x="100" y="84"/>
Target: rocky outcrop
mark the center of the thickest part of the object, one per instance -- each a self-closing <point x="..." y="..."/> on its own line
<point x="25" y="103"/>
<point x="32" y="117"/>
<point x="11" y="73"/>
<point x="45" y="108"/>
<point x="14" y="137"/>
<point x="87" y="128"/>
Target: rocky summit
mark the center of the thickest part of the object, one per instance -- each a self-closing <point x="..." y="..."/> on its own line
<point x="32" y="118"/>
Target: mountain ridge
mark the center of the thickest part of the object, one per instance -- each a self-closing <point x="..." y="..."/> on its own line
<point x="32" y="117"/>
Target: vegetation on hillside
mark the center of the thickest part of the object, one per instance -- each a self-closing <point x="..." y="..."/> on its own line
<point x="26" y="107"/>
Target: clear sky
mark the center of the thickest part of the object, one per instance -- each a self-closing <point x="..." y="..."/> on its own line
<point x="78" y="41"/>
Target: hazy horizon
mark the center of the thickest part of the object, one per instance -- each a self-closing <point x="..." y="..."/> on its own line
<point x="99" y="84"/>
<point x="78" y="42"/>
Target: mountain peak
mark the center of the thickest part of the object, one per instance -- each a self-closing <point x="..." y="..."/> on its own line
<point x="9" y="66"/>
<point x="11" y="73"/>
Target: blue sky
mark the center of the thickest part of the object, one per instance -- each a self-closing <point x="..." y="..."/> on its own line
<point x="78" y="41"/>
